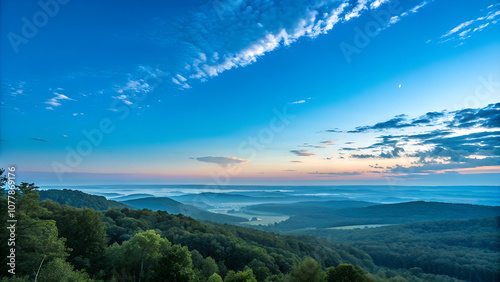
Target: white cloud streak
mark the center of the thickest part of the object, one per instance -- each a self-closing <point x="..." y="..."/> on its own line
<point x="413" y="10"/>
<point x="466" y="29"/>
<point x="235" y="33"/>
<point x="56" y="100"/>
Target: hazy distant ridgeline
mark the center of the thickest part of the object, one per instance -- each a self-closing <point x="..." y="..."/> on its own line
<point x="381" y="214"/>
<point x="80" y="199"/>
<point x="174" y="207"/>
<point x="484" y="195"/>
<point x="242" y="197"/>
<point x="131" y="197"/>
<point x="307" y="207"/>
<point x="323" y="212"/>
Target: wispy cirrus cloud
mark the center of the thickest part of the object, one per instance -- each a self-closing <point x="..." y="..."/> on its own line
<point x="375" y="4"/>
<point x="40" y="139"/>
<point x="56" y="101"/>
<point x="299" y="101"/>
<point x="235" y="33"/>
<point x="124" y="98"/>
<point x="466" y="29"/>
<point x="181" y="81"/>
<point x="395" y="19"/>
<point x="17" y="88"/>
<point x="135" y="85"/>
<point x="224" y="35"/>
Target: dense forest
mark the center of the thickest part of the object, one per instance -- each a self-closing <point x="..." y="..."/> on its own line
<point x="174" y="207"/>
<point x="79" y="199"/>
<point x="467" y="249"/>
<point x="57" y="242"/>
<point x="327" y="217"/>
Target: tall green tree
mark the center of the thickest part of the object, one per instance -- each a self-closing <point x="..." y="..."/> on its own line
<point x="60" y="270"/>
<point x="140" y="253"/>
<point x="148" y="257"/>
<point x="174" y="265"/>
<point x="308" y="270"/>
<point x="346" y="273"/>
<point x="37" y="239"/>
<point x="241" y="276"/>
<point x="85" y="234"/>
<point x="209" y="267"/>
<point x="214" y="278"/>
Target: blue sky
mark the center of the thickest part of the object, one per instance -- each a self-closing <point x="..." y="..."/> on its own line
<point x="254" y="92"/>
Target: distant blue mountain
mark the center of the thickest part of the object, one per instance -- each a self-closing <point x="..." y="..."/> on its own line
<point x="385" y="214"/>
<point x="174" y="207"/>
<point x="306" y="207"/>
<point x="131" y="197"/>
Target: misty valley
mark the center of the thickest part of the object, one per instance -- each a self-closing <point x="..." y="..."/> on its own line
<point x="272" y="233"/>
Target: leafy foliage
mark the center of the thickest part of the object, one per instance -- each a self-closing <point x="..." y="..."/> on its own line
<point x="79" y="199"/>
<point x="308" y="270"/>
<point x="174" y="207"/>
<point x="466" y="249"/>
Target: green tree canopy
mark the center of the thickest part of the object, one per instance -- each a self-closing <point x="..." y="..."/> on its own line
<point x="308" y="270"/>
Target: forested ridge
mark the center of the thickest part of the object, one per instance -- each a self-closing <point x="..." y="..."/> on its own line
<point x="61" y="243"/>
<point x="79" y="199"/>
<point x="172" y="206"/>
<point x="71" y="244"/>
<point x="467" y="249"/>
<point x="383" y="214"/>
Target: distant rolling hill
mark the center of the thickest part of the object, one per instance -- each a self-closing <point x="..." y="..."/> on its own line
<point x="131" y="197"/>
<point x="174" y="207"/>
<point x="200" y="205"/>
<point x="306" y="207"/>
<point x="386" y="214"/>
<point x="79" y="199"/>
<point x="225" y="198"/>
<point x="218" y="198"/>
